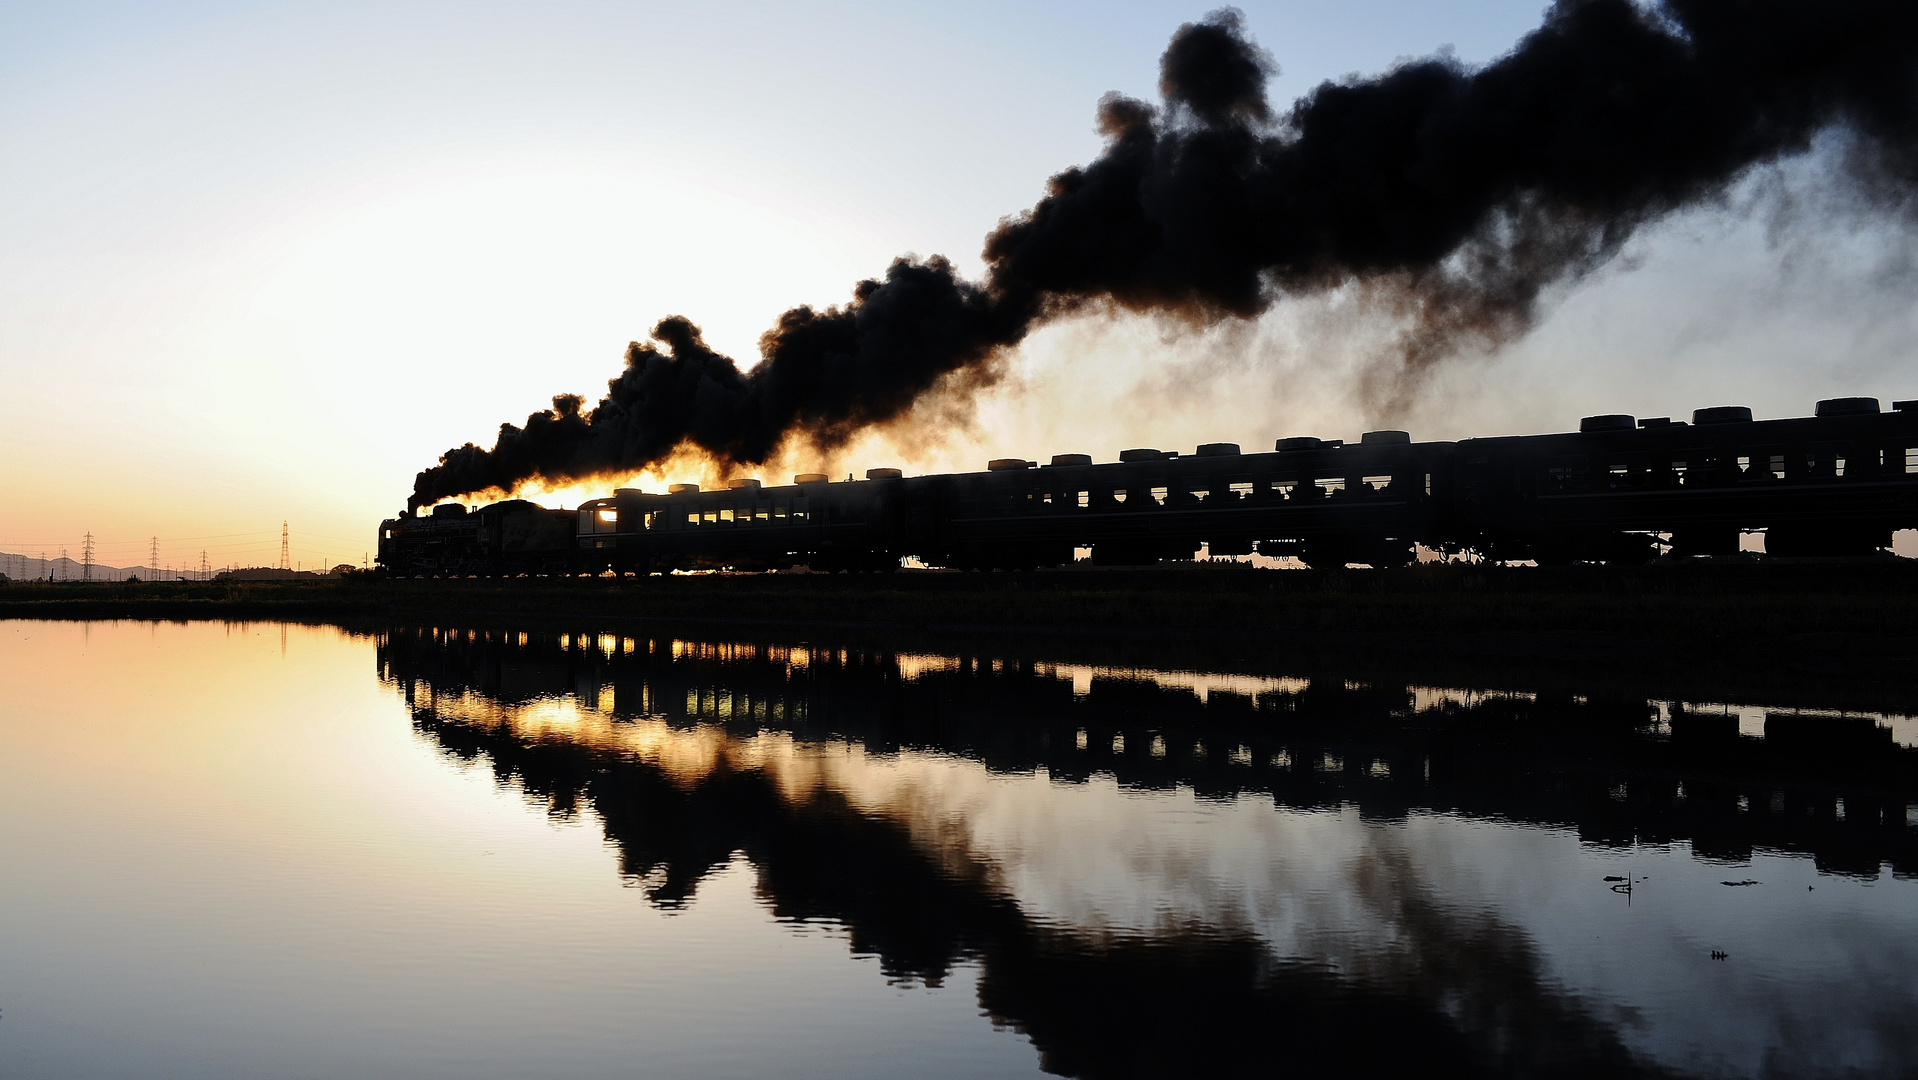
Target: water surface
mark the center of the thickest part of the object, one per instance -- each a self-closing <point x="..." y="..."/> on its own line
<point x="299" y="851"/>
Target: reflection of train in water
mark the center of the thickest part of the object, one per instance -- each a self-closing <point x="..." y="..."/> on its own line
<point x="1026" y="816"/>
<point x="1617" y="490"/>
<point x="1612" y="766"/>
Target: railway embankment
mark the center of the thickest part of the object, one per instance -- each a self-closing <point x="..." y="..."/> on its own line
<point x="1844" y="619"/>
<point x="1737" y="605"/>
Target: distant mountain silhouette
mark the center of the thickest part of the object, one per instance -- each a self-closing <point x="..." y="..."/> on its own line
<point x="69" y="569"/>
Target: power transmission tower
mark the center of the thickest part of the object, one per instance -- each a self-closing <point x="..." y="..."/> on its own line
<point x="205" y="570"/>
<point x="86" y="559"/>
<point x="63" y="564"/>
<point x="153" y="557"/>
<point x="285" y="563"/>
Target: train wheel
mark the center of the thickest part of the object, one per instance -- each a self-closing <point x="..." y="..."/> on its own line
<point x="1326" y="554"/>
<point x="1629" y="549"/>
<point x="1390" y="555"/>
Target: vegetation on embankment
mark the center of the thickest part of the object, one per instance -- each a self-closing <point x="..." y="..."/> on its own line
<point x="1821" y="632"/>
<point x="1736" y="605"/>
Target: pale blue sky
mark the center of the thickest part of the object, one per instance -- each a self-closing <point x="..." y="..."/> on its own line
<point x="264" y="261"/>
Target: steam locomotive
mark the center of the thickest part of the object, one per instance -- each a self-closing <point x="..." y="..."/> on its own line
<point x="1619" y="490"/>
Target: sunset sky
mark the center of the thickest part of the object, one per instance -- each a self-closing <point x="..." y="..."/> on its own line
<point x="264" y="262"/>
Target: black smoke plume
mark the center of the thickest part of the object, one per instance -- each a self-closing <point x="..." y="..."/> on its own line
<point x="1458" y="194"/>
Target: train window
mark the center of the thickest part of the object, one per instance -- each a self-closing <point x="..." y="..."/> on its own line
<point x="609" y="516"/>
<point x="779" y="510"/>
<point x="1046" y="498"/>
<point x="1331" y="485"/>
<point x="1284" y="488"/>
<point x="710" y="516"/>
<point x="1778" y="465"/>
<point x="1159" y="494"/>
<point x="1911" y="459"/>
<point x="1243" y="491"/>
<point x="763" y="511"/>
<point x="692" y="518"/>
<point x="1838" y="466"/>
<point x="1118" y="495"/>
<point x="1085" y="499"/>
<point x="799" y="510"/>
<point x="1744" y="463"/>
<point x="651" y="518"/>
<point x="1378" y="483"/>
<point x="1428" y="483"/>
<point x="1679" y="469"/>
<point x="726" y="515"/>
<point x="1199" y="494"/>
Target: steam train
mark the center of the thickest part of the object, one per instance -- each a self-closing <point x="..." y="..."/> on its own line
<point x="1618" y="490"/>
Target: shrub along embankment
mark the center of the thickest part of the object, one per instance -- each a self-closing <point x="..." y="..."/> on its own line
<point x="1812" y="630"/>
<point x="1751" y="605"/>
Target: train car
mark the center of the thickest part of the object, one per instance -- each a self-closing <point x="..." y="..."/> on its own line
<point x="1618" y="490"/>
<point x="1321" y="499"/>
<point x="842" y="526"/>
<point x="1837" y="483"/>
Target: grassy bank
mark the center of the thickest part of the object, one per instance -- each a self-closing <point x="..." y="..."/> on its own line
<point x="1692" y="604"/>
<point x="1836" y="628"/>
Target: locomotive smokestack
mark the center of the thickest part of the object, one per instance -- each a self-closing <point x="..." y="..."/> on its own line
<point x="1459" y="192"/>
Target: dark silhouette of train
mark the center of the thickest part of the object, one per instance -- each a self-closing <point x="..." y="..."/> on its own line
<point x="1618" y="490"/>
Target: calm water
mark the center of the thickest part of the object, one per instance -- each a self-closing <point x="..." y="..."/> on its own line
<point x="295" y="851"/>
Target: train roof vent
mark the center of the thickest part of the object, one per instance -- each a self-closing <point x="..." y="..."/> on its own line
<point x="1616" y="421"/>
<point x="1655" y="421"/>
<point x="1905" y="406"/>
<point x="1299" y="442"/>
<point x="883" y="474"/>
<point x="744" y="483"/>
<point x="1008" y="464"/>
<point x="809" y="478"/>
<point x="449" y="510"/>
<point x="1217" y="449"/>
<point x="1846" y="406"/>
<point x="1386" y="438"/>
<point x="1142" y="454"/>
<point x="1072" y="459"/>
<point x="629" y="491"/>
<point x="681" y="489"/>
<point x="1722" y="414"/>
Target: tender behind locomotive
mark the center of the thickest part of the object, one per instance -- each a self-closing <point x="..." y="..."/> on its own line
<point x="1837" y="483"/>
